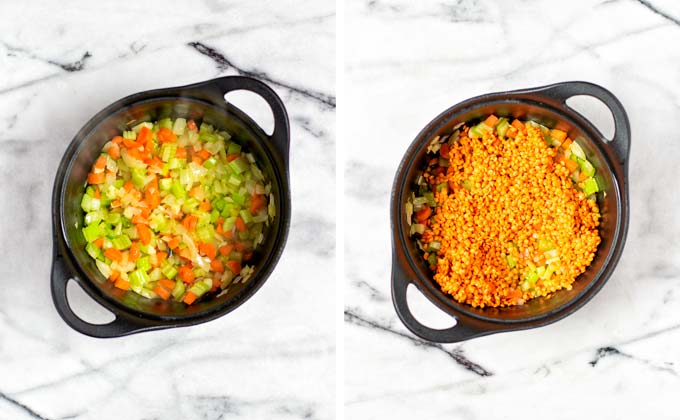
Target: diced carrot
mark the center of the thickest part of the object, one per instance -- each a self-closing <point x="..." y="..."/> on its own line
<point x="558" y="135"/>
<point x="247" y="256"/>
<point x="114" y="151"/>
<point x="165" y="135"/>
<point x="257" y="202"/>
<point x="197" y="160"/>
<point x="444" y="150"/>
<point x="97" y="193"/>
<point x="240" y="246"/>
<point x="518" y="125"/>
<point x="94" y="179"/>
<point x="130" y="143"/>
<point x="219" y="229"/>
<point x="566" y="144"/>
<point x="115" y="275"/>
<point x="128" y="186"/>
<point x="146" y="212"/>
<point x="191" y="125"/>
<point x="139" y="219"/>
<point x="240" y="224"/>
<point x="144" y="233"/>
<point x="144" y="135"/>
<point x="234" y="266"/>
<point x="190" y="298"/>
<point x="185" y="253"/>
<point x="232" y="156"/>
<point x="134" y="252"/>
<point x="570" y="164"/>
<point x="173" y="243"/>
<point x="115" y="204"/>
<point x="162" y="292"/>
<point x="208" y="250"/>
<point x="118" y="140"/>
<point x="99" y="242"/>
<point x="160" y="257"/>
<point x="167" y="283"/>
<point x="226" y="249"/>
<point x="491" y="120"/>
<point x="582" y="176"/>
<point x="189" y="222"/>
<point x="100" y="163"/>
<point x="152" y="195"/>
<point x="216" y="283"/>
<point x="122" y="284"/>
<point x="512" y="132"/>
<point x="186" y="274"/>
<point x="195" y="191"/>
<point x="181" y="153"/>
<point x="423" y="214"/>
<point x="229" y="234"/>
<point x="204" y="154"/>
<point x="205" y="206"/>
<point x="113" y="254"/>
<point x="135" y="153"/>
<point x="217" y="266"/>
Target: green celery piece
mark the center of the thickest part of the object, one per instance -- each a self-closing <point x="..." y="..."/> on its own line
<point x="210" y="162"/>
<point x="200" y="288"/>
<point x="240" y="199"/>
<point x="144" y="263"/>
<point x="176" y="163"/>
<point x="178" y="190"/>
<point x="92" y="232"/>
<point x="205" y="233"/>
<point x="532" y="276"/>
<point x="239" y="165"/>
<point x="233" y="148"/>
<point x="129" y="135"/>
<point x="235" y="180"/>
<point x="430" y="199"/>
<point x="168" y="151"/>
<point x="218" y="204"/>
<point x="478" y="130"/>
<point x="168" y="270"/>
<point x="118" y="183"/>
<point x="89" y="203"/>
<point x="155" y="274"/>
<point x="246" y="216"/>
<point x="92" y="250"/>
<point x="190" y="205"/>
<point x="434" y="246"/>
<point x="590" y="186"/>
<point x="122" y="242"/>
<point x="586" y="167"/>
<point x="179" y="126"/>
<point x="93" y="217"/>
<point x="228" y="224"/>
<point x="214" y="215"/>
<point x="138" y="177"/>
<point x="502" y="127"/>
<point x="178" y="290"/>
<point x="138" y="279"/>
<point x="165" y="123"/>
<point x="206" y="128"/>
<point x="545" y="244"/>
<point x="113" y="218"/>
<point x="432" y="259"/>
<point x="164" y="184"/>
<point x="467" y="184"/>
<point x="512" y="263"/>
<point x="577" y="151"/>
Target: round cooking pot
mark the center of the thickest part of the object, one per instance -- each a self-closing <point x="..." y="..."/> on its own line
<point x="203" y="102"/>
<point x="545" y="105"/>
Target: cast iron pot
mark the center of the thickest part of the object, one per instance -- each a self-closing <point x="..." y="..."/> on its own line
<point x="546" y="105"/>
<point x="201" y="102"/>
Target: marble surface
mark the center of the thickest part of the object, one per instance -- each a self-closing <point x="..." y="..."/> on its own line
<point x="615" y="358"/>
<point x="272" y="358"/>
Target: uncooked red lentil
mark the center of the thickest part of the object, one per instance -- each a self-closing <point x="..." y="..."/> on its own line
<point x="511" y="220"/>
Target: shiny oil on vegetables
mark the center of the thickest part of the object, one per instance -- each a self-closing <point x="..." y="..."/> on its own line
<point x="505" y="212"/>
<point x="175" y="212"/>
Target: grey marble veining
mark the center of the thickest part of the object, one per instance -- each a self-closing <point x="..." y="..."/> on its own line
<point x="616" y="357"/>
<point x="272" y="358"/>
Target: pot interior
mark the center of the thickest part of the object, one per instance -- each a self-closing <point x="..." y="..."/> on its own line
<point x="89" y="144"/>
<point x="609" y="202"/>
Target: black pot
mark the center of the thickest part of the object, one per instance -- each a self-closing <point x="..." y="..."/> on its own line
<point x="546" y="105"/>
<point x="202" y="102"/>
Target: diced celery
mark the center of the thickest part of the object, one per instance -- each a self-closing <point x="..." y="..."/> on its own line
<point x="502" y="127"/>
<point x="577" y="151"/>
<point x="92" y="232"/>
<point x="235" y="179"/>
<point x="92" y="250"/>
<point x="129" y="135"/>
<point x="165" y="123"/>
<point x="164" y="184"/>
<point x="93" y="217"/>
<point x="590" y="186"/>
<point x="228" y="224"/>
<point x="210" y="162"/>
<point x="178" y="190"/>
<point x="206" y="128"/>
<point x="179" y="126"/>
<point x="234" y="148"/>
<point x="214" y="215"/>
<point x="144" y="263"/>
<point x="168" y="151"/>
<point x="89" y="203"/>
<point x="586" y="167"/>
<point x="240" y="199"/>
<point x="155" y="274"/>
<point x="138" y="279"/>
<point x="205" y="233"/>
<point x="201" y="287"/>
<point x="218" y="204"/>
<point x="138" y="177"/>
<point x="239" y="165"/>
<point x="478" y="130"/>
<point x="104" y="268"/>
<point x="175" y="163"/>
<point x="168" y="269"/>
<point x="246" y="216"/>
<point x="113" y="218"/>
<point x="122" y="242"/>
<point x="190" y="205"/>
<point x="178" y="290"/>
<point x="511" y="261"/>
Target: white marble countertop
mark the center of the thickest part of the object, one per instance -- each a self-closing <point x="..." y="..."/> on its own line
<point x="615" y="358"/>
<point x="272" y="358"/>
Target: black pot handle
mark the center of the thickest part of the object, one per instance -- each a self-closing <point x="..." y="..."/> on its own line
<point x="620" y="143"/>
<point x="455" y="334"/>
<point x="281" y="135"/>
<point x="117" y="328"/>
